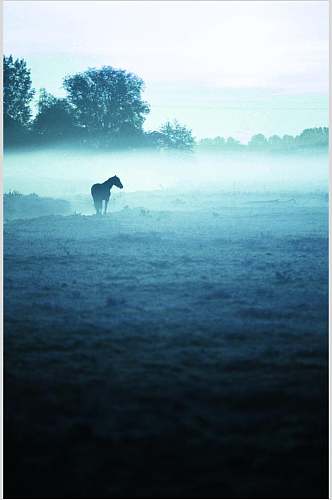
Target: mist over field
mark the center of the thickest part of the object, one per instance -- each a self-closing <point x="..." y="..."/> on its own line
<point x="67" y="172"/>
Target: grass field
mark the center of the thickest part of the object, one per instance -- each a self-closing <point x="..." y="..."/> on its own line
<point x="172" y="349"/>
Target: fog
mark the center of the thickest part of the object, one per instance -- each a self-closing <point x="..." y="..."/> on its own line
<point x="146" y="337"/>
<point x="69" y="172"/>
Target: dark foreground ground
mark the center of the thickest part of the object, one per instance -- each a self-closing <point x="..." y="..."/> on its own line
<point x="168" y="353"/>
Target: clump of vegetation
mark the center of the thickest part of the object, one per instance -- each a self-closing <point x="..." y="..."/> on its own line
<point x="176" y="136"/>
<point x="19" y="206"/>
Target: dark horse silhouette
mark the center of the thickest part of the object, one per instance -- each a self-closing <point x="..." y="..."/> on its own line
<point x="102" y="192"/>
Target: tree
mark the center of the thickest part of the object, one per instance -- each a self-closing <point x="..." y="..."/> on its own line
<point x="258" y="141"/>
<point x="288" y="142"/>
<point x="275" y="142"/>
<point x="55" y="118"/>
<point x="107" y="101"/>
<point x="219" y="142"/>
<point x="176" y="136"/>
<point x="17" y="90"/>
<point x="17" y="95"/>
<point x="232" y="143"/>
<point x="313" y="137"/>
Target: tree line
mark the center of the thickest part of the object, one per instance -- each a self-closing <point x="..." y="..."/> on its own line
<point x="102" y="108"/>
<point x="310" y="138"/>
<point x="105" y="108"/>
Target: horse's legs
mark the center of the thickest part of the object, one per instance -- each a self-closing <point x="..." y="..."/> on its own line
<point x="105" y="210"/>
<point x="98" y="206"/>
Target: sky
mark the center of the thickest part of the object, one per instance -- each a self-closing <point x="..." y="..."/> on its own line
<point x="229" y="68"/>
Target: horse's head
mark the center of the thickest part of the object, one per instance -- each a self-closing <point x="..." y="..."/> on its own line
<point x="116" y="182"/>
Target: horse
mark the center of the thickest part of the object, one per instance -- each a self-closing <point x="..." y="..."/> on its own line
<point x="102" y="192"/>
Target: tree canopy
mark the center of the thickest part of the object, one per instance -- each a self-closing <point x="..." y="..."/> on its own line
<point x="176" y="136"/>
<point x="313" y="137"/>
<point x="257" y="141"/>
<point x="55" y="117"/>
<point x="107" y="101"/>
<point x="17" y="90"/>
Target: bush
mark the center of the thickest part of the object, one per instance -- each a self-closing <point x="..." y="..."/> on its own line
<point x="19" y="206"/>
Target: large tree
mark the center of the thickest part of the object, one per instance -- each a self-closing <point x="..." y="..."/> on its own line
<point x="17" y="91"/>
<point x="107" y="101"/>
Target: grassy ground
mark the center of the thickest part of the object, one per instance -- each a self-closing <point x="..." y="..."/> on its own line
<point x="168" y="353"/>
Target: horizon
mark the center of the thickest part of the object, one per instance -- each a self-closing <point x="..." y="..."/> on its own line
<point x="280" y="77"/>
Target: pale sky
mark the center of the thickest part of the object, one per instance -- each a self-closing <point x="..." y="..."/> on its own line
<point x="222" y="67"/>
